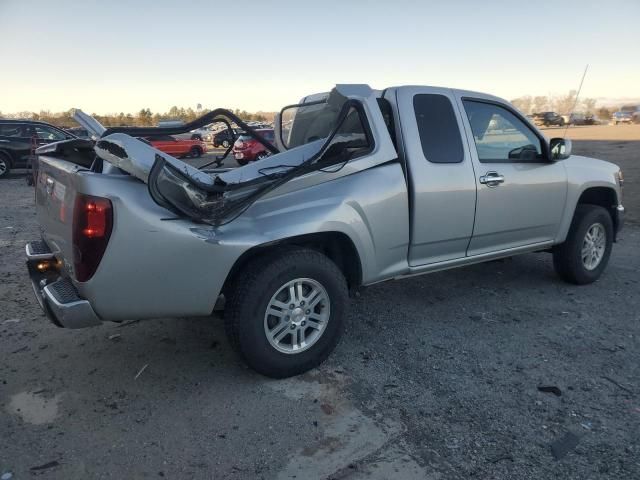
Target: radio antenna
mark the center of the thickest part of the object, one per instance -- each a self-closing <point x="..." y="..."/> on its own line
<point x="575" y="103"/>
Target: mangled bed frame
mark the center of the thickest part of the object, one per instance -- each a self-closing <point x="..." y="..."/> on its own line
<point x="216" y="196"/>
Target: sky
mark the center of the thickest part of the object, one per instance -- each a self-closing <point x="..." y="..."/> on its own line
<point x="114" y="55"/>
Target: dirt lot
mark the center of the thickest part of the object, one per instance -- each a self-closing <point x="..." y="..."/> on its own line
<point x="436" y="377"/>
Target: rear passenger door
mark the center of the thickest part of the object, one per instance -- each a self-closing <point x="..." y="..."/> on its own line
<point x="521" y="193"/>
<point x="441" y="179"/>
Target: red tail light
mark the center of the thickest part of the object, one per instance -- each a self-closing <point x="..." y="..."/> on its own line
<point x="92" y="223"/>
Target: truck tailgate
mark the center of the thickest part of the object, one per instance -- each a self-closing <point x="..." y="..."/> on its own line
<point x="55" y="200"/>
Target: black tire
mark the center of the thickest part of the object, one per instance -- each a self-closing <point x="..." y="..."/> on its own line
<point x="567" y="257"/>
<point x="5" y="165"/>
<point x="241" y="161"/>
<point x="195" y="152"/>
<point x="262" y="155"/>
<point x="226" y="143"/>
<point x="250" y="295"/>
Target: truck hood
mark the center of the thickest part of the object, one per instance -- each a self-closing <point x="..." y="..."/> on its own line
<point x="604" y="168"/>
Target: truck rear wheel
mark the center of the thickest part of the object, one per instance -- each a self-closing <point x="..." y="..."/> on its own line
<point x="285" y="312"/>
<point x="584" y="255"/>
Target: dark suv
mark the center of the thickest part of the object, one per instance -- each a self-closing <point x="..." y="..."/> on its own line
<point x="19" y="138"/>
<point x="225" y="138"/>
<point x="546" y="119"/>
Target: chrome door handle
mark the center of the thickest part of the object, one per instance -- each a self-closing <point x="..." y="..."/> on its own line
<point x="492" y="179"/>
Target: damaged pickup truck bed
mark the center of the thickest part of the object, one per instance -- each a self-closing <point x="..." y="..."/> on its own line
<point x="361" y="186"/>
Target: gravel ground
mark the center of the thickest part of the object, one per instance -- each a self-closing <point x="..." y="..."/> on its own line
<point x="436" y="377"/>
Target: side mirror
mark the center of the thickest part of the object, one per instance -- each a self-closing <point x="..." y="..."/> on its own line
<point x="560" y="148"/>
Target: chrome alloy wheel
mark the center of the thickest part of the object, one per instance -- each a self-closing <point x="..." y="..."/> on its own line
<point x="593" y="246"/>
<point x="297" y="315"/>
<point x="3" y="166"/>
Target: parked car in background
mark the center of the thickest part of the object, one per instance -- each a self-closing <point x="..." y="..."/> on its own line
<point x="575" y="119"/>
<point x="225" y="138"/>
<point x="205" y="134"/>
<point x="79" y="132"/>
<point x="19" y="138"/>
<point x="170" y="123"/>
<point x="622" y="117"/>
<point x="247" y="149"/>
<point x="258" y="125"/>
<point x="547" y="119"/>
<point x="178" y="147"/>
<point x="180" y="136"/>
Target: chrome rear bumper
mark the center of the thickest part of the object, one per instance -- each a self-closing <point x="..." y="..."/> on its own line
<point x="56" y="294"/>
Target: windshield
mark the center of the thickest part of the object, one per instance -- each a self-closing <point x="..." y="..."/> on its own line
<point x="308" y="122"/>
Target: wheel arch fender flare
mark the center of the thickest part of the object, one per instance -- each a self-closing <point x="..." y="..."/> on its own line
<point x="600" y="193"/>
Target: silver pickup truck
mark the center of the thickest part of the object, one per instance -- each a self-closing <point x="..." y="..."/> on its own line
<point x="361" y="186"/>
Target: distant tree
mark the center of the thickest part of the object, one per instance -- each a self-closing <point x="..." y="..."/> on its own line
<point x="145" y="117"/>
<point x="190" y="115"/>
<point x="173" y="112"/>
<point x="565" y="104"/>
<point x="540" y="104"/>
<point x="523" y="104"/>
<point x="589" y="105"/>
<point x="604" y="113"/>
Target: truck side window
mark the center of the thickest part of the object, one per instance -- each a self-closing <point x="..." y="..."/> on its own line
<point x="500" y="136"/>
<point x="438" y="128"/>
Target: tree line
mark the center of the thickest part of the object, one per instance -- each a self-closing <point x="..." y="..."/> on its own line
<point x="527" y="104"/>
<point x="561" y="104"/>
<point x="144" y="118"/>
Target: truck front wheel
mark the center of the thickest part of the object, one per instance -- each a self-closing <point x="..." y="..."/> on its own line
<point x="285" y="312"/>
<point x="584" y="255"/>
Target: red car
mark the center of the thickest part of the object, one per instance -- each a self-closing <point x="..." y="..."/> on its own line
<point x="247" y="149"/>
<point x="177" y="147"/>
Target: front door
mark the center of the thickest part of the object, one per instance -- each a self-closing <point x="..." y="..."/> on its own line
<point x="521" y="193"/>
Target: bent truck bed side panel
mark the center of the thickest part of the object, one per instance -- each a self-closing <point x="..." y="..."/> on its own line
<point x="154" y="267"/>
